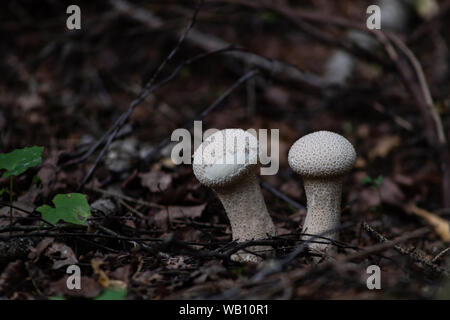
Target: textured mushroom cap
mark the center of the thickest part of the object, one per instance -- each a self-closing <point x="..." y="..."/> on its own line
<point x="322" y="154"/>
<point x="225" y="157"/>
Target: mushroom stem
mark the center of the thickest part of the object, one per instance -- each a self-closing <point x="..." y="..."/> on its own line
<point x="246" y="210"/>
<point x="323" y="198"/>
<point x="226" y="162"/>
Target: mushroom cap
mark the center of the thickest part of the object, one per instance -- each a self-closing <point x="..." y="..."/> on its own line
<point x="322" y="154"/>
<point x="226" y="157"/>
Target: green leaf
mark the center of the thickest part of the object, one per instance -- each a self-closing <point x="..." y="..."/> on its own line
<point x="366" y="180"/>
<point x="185" y="72"/>
<point x="71" y="207"/>
<point x="268" y="17"/>
<point x="19" y="160"/>
<point x="348" y="127"/>
<point x="36" y="179"/>
<point x="112" y="294"/>
<point x="378" y="181"/>
<point x="57" y="298"/>
<point x="291" y="208"/>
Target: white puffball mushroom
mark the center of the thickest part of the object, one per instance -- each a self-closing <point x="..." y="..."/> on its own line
<point x="322" y="158"/>
<point x="226" y="162"/>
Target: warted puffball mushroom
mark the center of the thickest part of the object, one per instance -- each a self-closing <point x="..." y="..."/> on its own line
<point x="226" y="162"/>
<point x="322" y="158"/>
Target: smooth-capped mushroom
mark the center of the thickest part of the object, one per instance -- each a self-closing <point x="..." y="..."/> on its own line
<point x="226" y="162"/>
<point x="322" y="158"/>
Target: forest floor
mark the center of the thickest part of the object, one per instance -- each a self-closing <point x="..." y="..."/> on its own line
<point x="154" y="231"/>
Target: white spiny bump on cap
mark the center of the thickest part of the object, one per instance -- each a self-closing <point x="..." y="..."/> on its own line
<point x="226" y="162"/>
<point x="322" y="158"/>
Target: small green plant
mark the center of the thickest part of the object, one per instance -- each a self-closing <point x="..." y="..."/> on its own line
<point x="71" y="207"/>
<point x="291" y="208"/>
<point x="17" y="162"/>
<point x="375" y="183"/>
<point x="107" y="294"/>
<point x="237" y="271"/>
<point x="348" y="127"/>
<point x="185" y="73"/>
<point x="112" y="294"/>
<point x="268" y="17"/>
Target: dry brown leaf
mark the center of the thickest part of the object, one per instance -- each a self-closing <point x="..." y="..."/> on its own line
<point x="11" y="276"/>
<point x="61" y="254"/>
<point x="403" y="180"/>
<point x="117" y="284"/>
<point x="177" y="262"/>
<point x="155" y="180"/>
<point x="390" y="193"/>
<point x="176" y="212"/>
<point x="277" y="95"/>
<point x="121" y="273"/>
<point x="360" y="163"/>
<point x="168" y="162"/>
<point x="21" y="203"/>
<point x="384" y="146"/>
<point x="47" y="174"/>
<point x="181" y="211"/>
<point x="89" y="288"/>
<point x="29" y="102"/>
<point x="441" y="226"/>
<point x="291" y="189"/>
<point x="368" y="197"/>
<point x="29" y="197"/>
<point x="103" y="279"/>
<point x="363" y="131"/>
<point x="148" y="278"/>
<point x="36" y="252"/>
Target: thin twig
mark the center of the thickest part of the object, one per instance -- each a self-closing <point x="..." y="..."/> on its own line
<point x="124" y="197"/>
<point x="440" y="254"/>
<point x="411" y="74"/>
<point x="209" y="42"/>
<point x="412" y="254"/>
<point x="282" y="196"/>
<point x="145" y="92"/>
<point x="296" y="275"/>
<point x="150" y="157"/>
